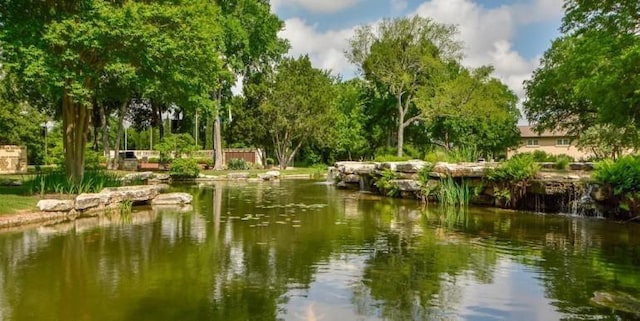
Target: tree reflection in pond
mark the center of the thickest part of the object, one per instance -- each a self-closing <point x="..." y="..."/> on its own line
<point x="299" y="250"/>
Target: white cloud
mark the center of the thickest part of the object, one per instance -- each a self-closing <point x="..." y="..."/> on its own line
<point x="316" y="6"/>
<point x="326" y="50"/>
<point x="488" y="33"/>
<point x="398" y="6"/>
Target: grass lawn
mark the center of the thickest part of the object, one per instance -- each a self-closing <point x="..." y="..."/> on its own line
<point x="14" y="199"/>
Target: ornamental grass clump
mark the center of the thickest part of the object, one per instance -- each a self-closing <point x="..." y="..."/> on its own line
<point x="58" y="182"/>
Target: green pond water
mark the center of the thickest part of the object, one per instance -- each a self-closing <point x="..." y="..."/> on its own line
<point x="301" y="250"/>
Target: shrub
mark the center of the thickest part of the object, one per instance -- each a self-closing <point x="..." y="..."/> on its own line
<point x="562" y="162"/>
<point x="511" y="177"/>
<point x="154" y="160"/>
<point x="238" y="164"/>
<point x="623" y="177"/>
<point x="93" y="160"/>
<point x="270" y="161"/>
<point x="516" y="169"/>
<point x="384" y="182"/>
<point x="184" y="168"/>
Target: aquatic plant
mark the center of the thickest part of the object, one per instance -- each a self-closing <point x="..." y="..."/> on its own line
<point x="452" y="194"/>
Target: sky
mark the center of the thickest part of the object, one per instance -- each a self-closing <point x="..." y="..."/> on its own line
<point x="511" y="35"/>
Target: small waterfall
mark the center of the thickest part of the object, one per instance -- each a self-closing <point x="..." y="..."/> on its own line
<point x="365" y="183"/>
<point x="585" y="205"/>
<point x="331" y="175"/>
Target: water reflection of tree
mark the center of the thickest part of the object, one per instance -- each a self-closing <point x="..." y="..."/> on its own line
<point x="407" y="271"/>
<point x="201" y="265"/>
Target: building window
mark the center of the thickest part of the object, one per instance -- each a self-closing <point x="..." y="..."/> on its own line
<point x="532" y="142"/>
<point x="562" y="142"/>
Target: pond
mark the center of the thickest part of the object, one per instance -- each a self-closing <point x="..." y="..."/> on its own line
<point x="301" y="250"/>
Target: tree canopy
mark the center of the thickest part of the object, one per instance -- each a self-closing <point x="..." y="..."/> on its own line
<point x="590" y="75"/>
<point x="63" y="51"/>
<point x="299" y="107"/>
<point x="402" y="56"/>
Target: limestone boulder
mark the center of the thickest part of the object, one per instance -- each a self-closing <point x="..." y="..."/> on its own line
<point x="355" y="167"/>
<point x="460" y="170"/>
<point x="411" y="166"/>
<point x="55" y="205"/>
<point x="140" y="177"/>
<point x="406" y="185"/>
<point x="139" y="193"/>
<point x="172" y="199"/>
<point x="270" y="175"/>
<point x="351" y="179"/>
<point x="387" y="166"/>
<point x="90" y="200"/>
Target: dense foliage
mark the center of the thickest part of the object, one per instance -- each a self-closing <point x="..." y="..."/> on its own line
<point x="623" y="177"/>
<point x="591" y="74"/>
<point x="184" y="168"/>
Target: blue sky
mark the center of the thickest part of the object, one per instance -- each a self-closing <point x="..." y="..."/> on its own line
<point x="511" y="35"/>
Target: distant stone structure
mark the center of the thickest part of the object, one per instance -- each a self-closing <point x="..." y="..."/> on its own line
<point x="13" y="159"/>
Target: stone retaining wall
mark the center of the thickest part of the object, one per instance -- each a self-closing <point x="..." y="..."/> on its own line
<point x="550" y="194"/>
<point x="13" y="159"/>
<point x="91" y="204"/>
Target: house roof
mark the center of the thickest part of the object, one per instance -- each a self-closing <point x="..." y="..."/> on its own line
<point x="527" y="131"/>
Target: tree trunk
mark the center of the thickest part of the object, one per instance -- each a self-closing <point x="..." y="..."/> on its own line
<point x="105" y="134"/>
<point x="123" y="109"/>
<point x="217" y="136"/>
<point x="400" y="139"/>
<point x="400" y="125"/>
<point x="75" y="126"/>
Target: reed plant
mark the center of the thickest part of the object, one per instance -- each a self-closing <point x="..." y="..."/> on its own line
<point x="58" y="182"/>
<point x="452" y="194"/>
<point x="125" y="208"/>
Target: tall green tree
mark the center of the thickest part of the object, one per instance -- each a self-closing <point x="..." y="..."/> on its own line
<point x="591" y="74"/>
<point x="63" y="50"/>
<point x="298" y="108"/>
<point x="250" y="41"/>
<point x="349" y="134"/>
<point x="404" y="55"/>
<point x="472" y="110"/>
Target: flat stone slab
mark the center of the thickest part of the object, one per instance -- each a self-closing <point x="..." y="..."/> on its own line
<point x="56" y="205"/>
<point x="141" y="193"/>
<point x="270" y="175"/>
<point x="411" y="166"/>
<point x="91" y="200"/>
<point x="355" y="167"/>
<point x="172" y="199"/>
<point x="406" y="185"/>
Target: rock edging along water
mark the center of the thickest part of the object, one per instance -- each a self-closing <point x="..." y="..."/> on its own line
<point x="565" y="194"/>
<point x="91" y="204"/>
